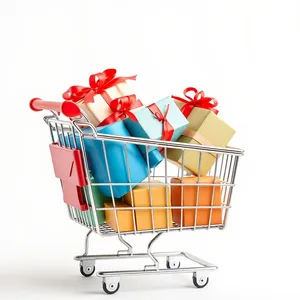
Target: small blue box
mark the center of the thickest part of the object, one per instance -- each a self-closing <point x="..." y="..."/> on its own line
<point x="116" y="159"/>
<point x="149" y="127"/>
<point x="154" y="156"/>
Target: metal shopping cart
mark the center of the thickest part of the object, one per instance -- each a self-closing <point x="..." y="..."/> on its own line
<point x="69" y="134"/>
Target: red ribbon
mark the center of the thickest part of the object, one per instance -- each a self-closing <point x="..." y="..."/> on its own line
<point x="121" y="109"/>
<point x="199" y="100"/>
<point x="98" y="84"/>
<point x="168" y="130"/>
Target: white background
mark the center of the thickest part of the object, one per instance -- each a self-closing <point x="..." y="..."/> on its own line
<point x="244" y="53"/>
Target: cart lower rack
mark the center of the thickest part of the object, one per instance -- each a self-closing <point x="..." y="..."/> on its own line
<point x="111" y="279"/>
<point x="136" y="197"/>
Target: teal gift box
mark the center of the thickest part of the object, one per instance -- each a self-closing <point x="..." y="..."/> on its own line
<point x="150" y="126"/>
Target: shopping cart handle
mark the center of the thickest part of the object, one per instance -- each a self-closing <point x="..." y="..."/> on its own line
<point x="68" y="108"/>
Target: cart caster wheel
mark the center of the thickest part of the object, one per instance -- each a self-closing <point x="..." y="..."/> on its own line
<point x="200" y="282"/>
<point x="111" y="287"/>
<point x="173" y="264"/>
<point x="87" y="271"/>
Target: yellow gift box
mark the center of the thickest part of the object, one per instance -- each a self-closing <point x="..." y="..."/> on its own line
<point x="205" y="128"/>
<point x="95" y="100"/>
<point x="141" y="198"/>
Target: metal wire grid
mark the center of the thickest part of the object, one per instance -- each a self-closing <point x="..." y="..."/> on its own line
<point x="225" y="168"/>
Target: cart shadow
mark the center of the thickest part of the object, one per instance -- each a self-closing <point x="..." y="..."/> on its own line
<point x="93" y="285"/>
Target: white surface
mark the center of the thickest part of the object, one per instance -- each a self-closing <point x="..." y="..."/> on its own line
<point x="244" y="53"/>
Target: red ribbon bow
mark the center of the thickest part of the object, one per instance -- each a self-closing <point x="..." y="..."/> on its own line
<point x="199" y="100"/>
<point x="168" y="130"/>
<point x="121" y="109"/>
<point x="98" y="84"/>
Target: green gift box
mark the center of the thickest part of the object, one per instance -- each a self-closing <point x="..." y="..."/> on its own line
<point x="204" y="128"/>
<point x="99" y="200"/>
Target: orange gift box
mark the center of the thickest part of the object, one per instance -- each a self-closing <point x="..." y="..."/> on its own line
<point x="141" y="198"/>
<point x="189" y="199"/>
<point x="125" y="217"/>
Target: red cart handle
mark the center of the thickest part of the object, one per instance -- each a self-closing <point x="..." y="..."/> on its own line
<point x="68" y="108"/>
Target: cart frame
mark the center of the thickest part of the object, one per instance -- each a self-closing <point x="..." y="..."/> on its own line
<point x="229" y="158"/>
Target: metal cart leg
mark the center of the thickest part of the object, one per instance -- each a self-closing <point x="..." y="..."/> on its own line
<point x="87" y="266"/>
<point x="87" y="262"/>
<point x="86" y="245"/>
<point x="150" y="254"/>
<point x="127" y="245"/>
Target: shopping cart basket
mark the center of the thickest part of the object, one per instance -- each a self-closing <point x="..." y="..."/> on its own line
<point x="69" y="134"/>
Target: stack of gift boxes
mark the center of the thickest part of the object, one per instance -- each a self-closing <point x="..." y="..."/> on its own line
<point x="113" y="108"/>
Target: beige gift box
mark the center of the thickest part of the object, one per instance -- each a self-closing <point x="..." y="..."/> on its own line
<point x="98" y="110"/>
<point x="205" y="128"/>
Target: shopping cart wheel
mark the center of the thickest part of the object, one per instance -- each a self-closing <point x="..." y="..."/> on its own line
<point x="87" y="270"/>
<point x="172" y="263"/>
<point x="110" y="286"/>
<point x="200" y="282"/>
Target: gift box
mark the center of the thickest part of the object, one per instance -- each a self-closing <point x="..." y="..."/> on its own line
<point x="99" y="201"/>
<point x="159" y="121"/>
<point x="204" y="128"/>
<point x="96" y="99"/>
<point x="189" y="198"/>
<point x="154" y="157"/>
<point x="124" y="216"/>
<point x="122" y="109"/>
<point x="141" y="198"/>
<point x="117" y="158"/>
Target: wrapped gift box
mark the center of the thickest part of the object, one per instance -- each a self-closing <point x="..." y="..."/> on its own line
<point x="150" y="125"/>
<point x="141" y="198"/>
<point x="99" y="201"/>
<point x="116" y="159"/>
<point x="154" y="157"/>
<point x="125" y="217"/>
<point x="190" y="197"/>
<point x="95" y="100"/>
<point x="205" y="128"/>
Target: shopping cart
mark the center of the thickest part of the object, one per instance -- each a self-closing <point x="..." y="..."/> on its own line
<point x="64" y="130"/>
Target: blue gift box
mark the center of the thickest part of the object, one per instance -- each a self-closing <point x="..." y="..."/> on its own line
<point x="148" y="125"/>
<point x="116" y="159"/>
<point x="154" y="156"/>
